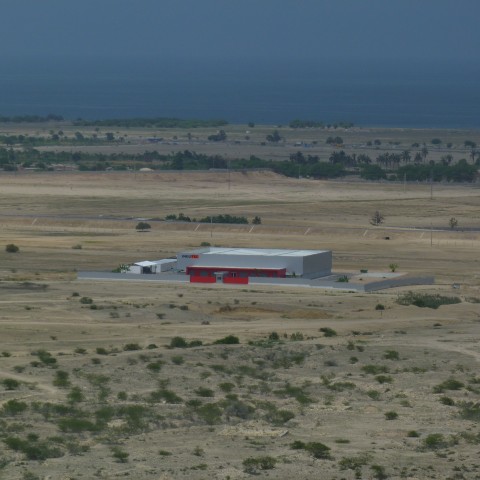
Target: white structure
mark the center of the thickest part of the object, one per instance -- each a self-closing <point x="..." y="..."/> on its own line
<point x="156" y="266"/>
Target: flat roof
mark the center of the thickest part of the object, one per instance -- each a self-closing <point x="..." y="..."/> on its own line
<point x="223" y="267"/>
<point x="266" y="252"/>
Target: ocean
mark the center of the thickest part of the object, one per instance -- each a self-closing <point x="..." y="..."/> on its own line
<point x="367" y="93"/>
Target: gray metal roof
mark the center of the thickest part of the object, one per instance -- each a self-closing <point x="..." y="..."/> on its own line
<point x="266" y="252"/>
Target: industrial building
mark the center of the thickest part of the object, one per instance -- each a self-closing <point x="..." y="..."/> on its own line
<point x="237" y="265"/>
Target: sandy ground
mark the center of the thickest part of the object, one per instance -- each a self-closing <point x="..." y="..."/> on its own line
<point x="126" y="405"/>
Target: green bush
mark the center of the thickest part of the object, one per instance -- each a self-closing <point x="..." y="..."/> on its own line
<point x="449" y="384"/>
<point x="469" y="411"/>
<point x="328" y="332"/>
<point x="391" y="355"/>
<point x="130" y="347"/>
<point x="375" y="369"/>
<point x="426" y="300"/>
<point x="86" y="300"/>
<point x="32" y="448"/>
<point x="120" y="455"/>
<point x="61" y="379"/>
<point x="251" y="465"/>
<point x="204" y="392"/>
<point x="11" y="248"/>
<point x="391" y="415"/>
<point x="178" y="342"/>
<point x="228" y="340"/>
<point x="11" y="383"/>
<point x="14" y="407"/>
<point x="434" y="441"/>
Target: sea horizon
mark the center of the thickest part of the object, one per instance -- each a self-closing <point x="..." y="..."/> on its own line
<point x="372" y="93"/>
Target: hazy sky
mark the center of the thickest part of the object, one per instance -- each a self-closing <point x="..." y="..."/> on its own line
<point x="439" y="30"/>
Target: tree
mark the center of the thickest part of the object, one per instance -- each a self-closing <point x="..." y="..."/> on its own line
<point x="257" y="220"/>
<point x="274" y="137"/>
<point x="393" y="267"/>
<point x="453" y="223"/>
<point x="406" y="157"/>
<point x="424" y="152"/>
<point x="377" y="219"/>
<point x="143" y="226"/>
<point x="220" y="136"/>
<point x="109" y="136"/>
<point x="11" y="248"/>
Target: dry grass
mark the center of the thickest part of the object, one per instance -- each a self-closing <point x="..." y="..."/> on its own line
<point x="319" y="380"/>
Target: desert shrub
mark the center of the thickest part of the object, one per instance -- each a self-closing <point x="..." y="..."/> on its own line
<point x="61" y="379"/>
<point x="6" y="354"/>
<point x="449" y="384"/>
<point x="251" y="465"/>
<point x="447" y="401"/>
<point x="178" y="360"/>
<point x="10" y="383"/>
<point x="11" y="248"/>
<point x="76" y="425"/>
<point x="413" y="434"/>
<point x="426" y="300"/>
<point x="178" y="342"/>
<point x="166" y="395"/>
<point x="278" y="417"/>
<point x="155" y="366"/>
<point x="379" y="472"/>
<point x="435" y="441"/>
<point x="375" y="369"/>
<point x="328" y="332"/>
<point x="33" y="449"/>
<point x="226" y="387"/>
<point x="102" y="351"/>
<point x="342" y="279"/>
<point x="391" y="415"/>
<point x="14" y="407"/>
<point x="130" y="347"/>
<point x="391" y="355"/>
<point x="120" y="455"/>
<point x="298" y="393"/>
<point x="204" y="392"/>
<point x="354" y="463"/>
<point x="297" y="337"/>
<point x="210" y="413"/>
<point x="318" y="450"/>
<point x="374" y="394"/>
<point x="228" y="340"/>
<point x="75" y="395"/>
<point x="122" y="395"/>
<point x="81" y="351"/>
<point x="45" y="357"/>
<point x="86" y="300"/>
<point x="341" y="386"/>
<point x="232" y="407"/>
<point x="380" y="306"/>
<point x="384" y="379"/>
<point x="469" y="410"/>
<point x="353" y="360"/>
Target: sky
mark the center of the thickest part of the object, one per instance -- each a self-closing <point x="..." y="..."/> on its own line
<point x="242" y="30"/>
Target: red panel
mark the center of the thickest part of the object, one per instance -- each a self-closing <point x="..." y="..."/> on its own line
<point x="250" y="272"/>
<point x="238" y="280"/>
<point x="199" y="279"/>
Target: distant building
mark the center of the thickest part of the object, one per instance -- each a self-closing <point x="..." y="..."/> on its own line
<point x="236" y="265"/>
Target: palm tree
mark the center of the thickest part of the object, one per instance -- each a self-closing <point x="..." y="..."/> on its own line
<point x="424" y="153"/>
<point x="418" y="158"/>
<point x="406" y="157"/>
<point x="473" y="154"/>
